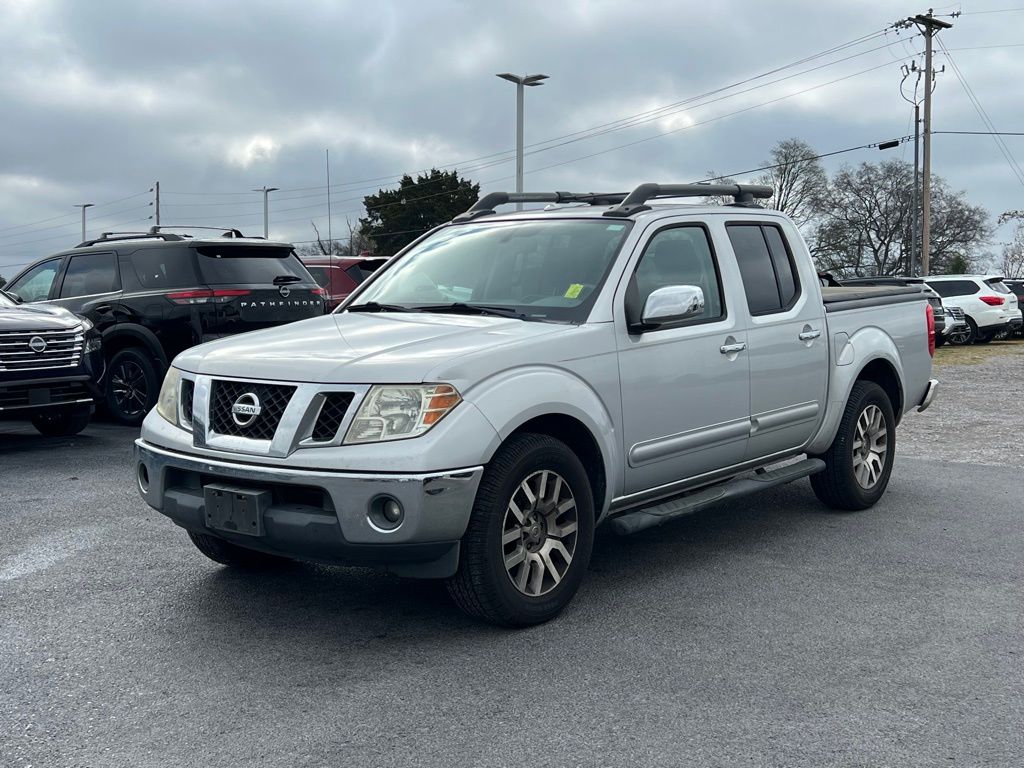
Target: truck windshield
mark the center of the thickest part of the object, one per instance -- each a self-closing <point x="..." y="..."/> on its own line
<point x="549" y="269"/>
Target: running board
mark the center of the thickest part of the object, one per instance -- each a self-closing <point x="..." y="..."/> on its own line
<point x="656" y="514"/>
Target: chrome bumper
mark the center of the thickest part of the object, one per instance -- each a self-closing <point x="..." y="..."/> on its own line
<point x="929" y="394"/>
<point x="335" y="529"/>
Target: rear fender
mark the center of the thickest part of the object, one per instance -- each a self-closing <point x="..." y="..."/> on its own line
<point x="850" y="356"/>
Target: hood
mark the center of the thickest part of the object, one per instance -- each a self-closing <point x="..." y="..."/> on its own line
<point x="36" y="317"/>
<point x="357" y="348"/>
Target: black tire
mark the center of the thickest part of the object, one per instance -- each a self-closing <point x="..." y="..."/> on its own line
<point x="976" y="336"/>
<point x="132" y="386"/>
<point x="940" y="340"/>
<point x="837" y="486"/>
<point x="483" y="587"/>
<point x="61" y="423"/>
<point x="961" y="338"/>
<point x="234" y="556"/>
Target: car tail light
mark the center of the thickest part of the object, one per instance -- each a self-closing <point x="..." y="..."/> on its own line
<point x="206" y="296"/>
<point x="319" y="291"/>
<point x="930" y="320"/>
<point x="992" y="301"/>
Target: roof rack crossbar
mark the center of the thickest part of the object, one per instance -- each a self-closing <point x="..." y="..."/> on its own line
<point x="485" y="205"/>
<point x="636" y="201"/>
<point x="228" y="231"/>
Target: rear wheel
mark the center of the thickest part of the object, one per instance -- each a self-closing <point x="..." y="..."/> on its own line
<point x="226" y="553"/>
<point x="132" y="386"/>
<point x="859" y="461"/>
<point x="61" y="423"/>
<point x="530" y="534"/>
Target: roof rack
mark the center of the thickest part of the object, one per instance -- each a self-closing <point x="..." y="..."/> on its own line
<point x="228" y="231"/>
<point x="115" y="236"/>
<point x="742" y="195"/>
<point x="485" y="205"/>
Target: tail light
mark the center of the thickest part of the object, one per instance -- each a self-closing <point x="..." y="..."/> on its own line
<point x="319" y="291"/>
<point x="993" y="301"/>
<point x="930" y="320"/>
<point x="206" y="296"/>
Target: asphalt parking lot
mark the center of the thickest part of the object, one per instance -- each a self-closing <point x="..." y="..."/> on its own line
<point x="765" y="633"/>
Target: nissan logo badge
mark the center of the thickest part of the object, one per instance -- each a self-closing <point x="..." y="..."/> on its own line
<point x="245" y="409"/>
<point x="285" y="291"/>
<point x="37" y="344"/>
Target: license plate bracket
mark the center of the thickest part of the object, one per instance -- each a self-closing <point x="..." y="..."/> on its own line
<point x="236" y="510"/>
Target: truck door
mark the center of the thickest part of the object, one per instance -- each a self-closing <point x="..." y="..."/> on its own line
<point x="787" y="343"/>
<point x="685" y="386"/>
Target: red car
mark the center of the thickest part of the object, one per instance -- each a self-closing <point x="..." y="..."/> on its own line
<point x="339" y="275"/>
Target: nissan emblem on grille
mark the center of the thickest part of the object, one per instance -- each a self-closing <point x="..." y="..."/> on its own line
<point x="37" y="344"/>
<point x="246" y="409"/>
<point x="285" y="291"/>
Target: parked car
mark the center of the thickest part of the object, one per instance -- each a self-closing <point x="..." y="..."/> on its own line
<point x="507" y="382"/>
<point x="989" y="307"/>
<point x="340" y="275"/>
<point x="154" y="294"/>
<point x="51" y="366"/>
<point x="1016" y="286"/>
<point x="948" y="324"/>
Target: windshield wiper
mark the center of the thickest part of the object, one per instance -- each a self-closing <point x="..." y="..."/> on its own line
<point x="281" y="279"/>
<point x="461" y="308"/>
<point x="373" y="306"/>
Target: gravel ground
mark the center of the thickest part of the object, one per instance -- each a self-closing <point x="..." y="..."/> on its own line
<point x="977" y="415"/>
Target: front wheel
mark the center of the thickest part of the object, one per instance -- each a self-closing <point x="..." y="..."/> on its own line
<point x="530" y="535"/>
<point x="61" y="423"/>
<point x="859" y="461"/>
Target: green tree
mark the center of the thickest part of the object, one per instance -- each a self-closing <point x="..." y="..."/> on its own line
<point x="396" y="217"/>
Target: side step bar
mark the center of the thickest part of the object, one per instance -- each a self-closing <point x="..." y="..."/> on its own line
<point x="656" y="514"/>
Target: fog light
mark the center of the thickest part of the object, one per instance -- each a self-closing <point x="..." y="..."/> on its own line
<point x="143" y="474"/>
<point x="385" y="513"/>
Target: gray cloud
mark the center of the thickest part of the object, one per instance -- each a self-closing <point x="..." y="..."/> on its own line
<point x="101" y="99"/>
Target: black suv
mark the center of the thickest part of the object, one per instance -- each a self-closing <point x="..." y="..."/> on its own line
<point x="51" y="366"/>
<point x="153" y="294"/>
<point x="1016" y="286"/>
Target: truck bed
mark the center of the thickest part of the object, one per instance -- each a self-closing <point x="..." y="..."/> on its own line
<point x="860" y="296"/>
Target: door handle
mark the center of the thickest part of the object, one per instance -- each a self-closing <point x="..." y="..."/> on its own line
<point x="728" y="349"/>
<point x="809" y="335"/>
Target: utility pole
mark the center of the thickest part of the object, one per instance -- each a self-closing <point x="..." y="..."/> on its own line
<point x="521" y="84"/>
<point x="83" y="206"/>
<point x="156" y="201"/>
<point x="916" y="197"/>
<point x="929" y="26"/>
<point x="330" y="236"/>
<point x="266" y="221"/>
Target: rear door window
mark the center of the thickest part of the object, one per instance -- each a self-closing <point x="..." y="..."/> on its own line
<point x="997" y="285"/>
<point x="35" y="284"/>
<point x="89" y="274"/>
<point x="164" y="268"/>
<point x="950" y="288"/>
<point x="766" y="265"/>
<point x="253" y="264"/>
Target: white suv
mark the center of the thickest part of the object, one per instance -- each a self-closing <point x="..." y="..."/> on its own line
<point x="990" y="307"/>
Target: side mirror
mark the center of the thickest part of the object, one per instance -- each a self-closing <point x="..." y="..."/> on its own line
<point x="671" y="304"/>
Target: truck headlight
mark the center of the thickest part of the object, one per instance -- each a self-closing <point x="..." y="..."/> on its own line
<point x="167" y="402"/>
<point x="399" y="412"/>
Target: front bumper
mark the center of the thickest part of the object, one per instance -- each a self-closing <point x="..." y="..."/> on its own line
<point x="322" y="516"/>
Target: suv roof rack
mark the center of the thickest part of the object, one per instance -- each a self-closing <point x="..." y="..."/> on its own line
<point x="155" y="232"/>
<point x="742" y="195"/>
<point x="485" y="205"/>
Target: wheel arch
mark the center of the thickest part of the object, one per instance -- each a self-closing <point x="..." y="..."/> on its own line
<point x="124" y="336"/>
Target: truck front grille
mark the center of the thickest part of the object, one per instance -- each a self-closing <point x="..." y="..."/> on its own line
<point x="40" y="350"/>
<point x="32" y="396"/>
<point x="332" y="413"/>
<point x="955" y="312"/>
<point x="260" y="423"/>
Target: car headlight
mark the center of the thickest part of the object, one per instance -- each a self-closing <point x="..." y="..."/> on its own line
<point x="399" y="412"/>
<point x="167" y="402"/>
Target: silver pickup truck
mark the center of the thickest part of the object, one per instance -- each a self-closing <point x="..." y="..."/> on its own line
<point x="510" y="381"/>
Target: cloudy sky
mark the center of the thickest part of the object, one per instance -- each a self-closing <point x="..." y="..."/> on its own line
<point x="100" y="99"/>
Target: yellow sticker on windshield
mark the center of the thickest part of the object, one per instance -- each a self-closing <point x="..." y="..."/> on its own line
<point x="574" y="291"/>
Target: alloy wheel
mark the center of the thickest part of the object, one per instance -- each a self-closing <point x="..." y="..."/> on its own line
<point x="539" y="533"/>
<point x="870" y="445"/>
<point x="128" y="383"/>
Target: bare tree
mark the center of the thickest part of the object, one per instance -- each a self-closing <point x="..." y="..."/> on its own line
<point x="798" y="178"/>
<point x="357" y="243"/>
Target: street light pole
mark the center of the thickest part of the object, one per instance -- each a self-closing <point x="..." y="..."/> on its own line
<point x="521" y="83"/>
<point x="83" y="206"/>
<point x="266" y="220"/>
